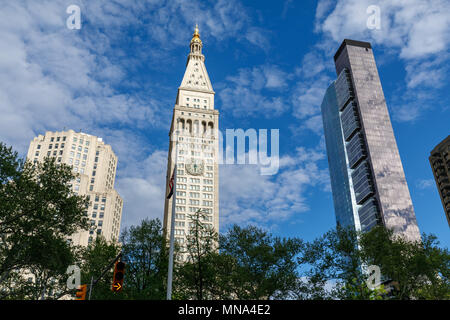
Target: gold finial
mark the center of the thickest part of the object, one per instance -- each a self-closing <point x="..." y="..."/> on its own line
<point x="196" y="35"/>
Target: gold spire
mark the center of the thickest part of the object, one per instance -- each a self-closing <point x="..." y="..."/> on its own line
<point x="196" y="36"/>
<point x="196" y="30"/>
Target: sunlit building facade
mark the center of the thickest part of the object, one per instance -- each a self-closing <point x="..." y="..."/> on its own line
<point x="193" y="147"/>
<point x="94" y="163"/>
<point x="367" y="178"/>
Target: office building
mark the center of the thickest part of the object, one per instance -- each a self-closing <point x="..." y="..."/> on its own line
<point x="440" y="164"/>
<point x="95" y="164"/>
<point x="367" y="178"/>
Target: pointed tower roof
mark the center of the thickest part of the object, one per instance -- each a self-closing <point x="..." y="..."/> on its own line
<point x="196" y="77"/>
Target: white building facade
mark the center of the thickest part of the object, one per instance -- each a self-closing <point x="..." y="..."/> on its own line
<point x="94" y="164"/>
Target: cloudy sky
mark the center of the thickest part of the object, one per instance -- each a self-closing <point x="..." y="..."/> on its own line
<point x="269" y="62"/>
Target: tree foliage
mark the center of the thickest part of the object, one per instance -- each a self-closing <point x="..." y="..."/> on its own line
<point x="95" y="259"/>
<point x="38" y="213"/>
<point x="417" y="270"/>
<point x="264" y="266"/>
<point x="338" y="262"/>
<point x="195" y="277"/>
<point x="145" y="253"/>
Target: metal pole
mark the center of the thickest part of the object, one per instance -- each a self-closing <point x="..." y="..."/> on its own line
<point x="172" y="224"/>
<point x="108" y="267"/>
<point x="93" y="283"/>
<point x="90" y="288"/>
<point x="43" y="293"/>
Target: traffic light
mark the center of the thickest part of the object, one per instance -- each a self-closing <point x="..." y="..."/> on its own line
<point x="119" y="271"/>
<point x="81" y="292"/>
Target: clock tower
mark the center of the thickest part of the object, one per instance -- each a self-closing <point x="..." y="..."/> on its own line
<point x="193" y="147"/>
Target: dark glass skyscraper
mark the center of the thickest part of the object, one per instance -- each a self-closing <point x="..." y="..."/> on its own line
<point x="367" y="179"/>
<point x="440" y="164"/>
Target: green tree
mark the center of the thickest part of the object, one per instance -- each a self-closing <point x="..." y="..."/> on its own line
<point x="144" y="250"/>
<point x="409" y="270"/>
<point x="258" y="265"/>
<point x="332" y="267"/>
<point x="96" y="257"/>
<point x="195" y="277"/>
<point x="417" y="269"/>
<point x="38" y="212"/>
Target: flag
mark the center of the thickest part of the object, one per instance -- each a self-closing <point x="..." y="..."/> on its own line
<point x="171" y="186"/>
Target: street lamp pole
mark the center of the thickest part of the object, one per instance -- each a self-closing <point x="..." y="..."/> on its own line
<point x="172" y="224"/>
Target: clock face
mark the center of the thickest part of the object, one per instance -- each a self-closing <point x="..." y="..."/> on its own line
<point x="195" y="167"/>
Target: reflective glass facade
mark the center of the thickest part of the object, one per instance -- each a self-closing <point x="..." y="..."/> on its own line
<point x="344" y="204"/>
<point x="376" y="180"/>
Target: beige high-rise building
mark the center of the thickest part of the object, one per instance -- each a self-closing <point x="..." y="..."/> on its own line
<point x="195" y="125"/>
<point x="95" y="164"/>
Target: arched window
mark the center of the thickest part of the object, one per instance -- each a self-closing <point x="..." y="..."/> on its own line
<point x="188" y="126"/>
<point x="211" y="128"/>
<point x="203" y="127"/>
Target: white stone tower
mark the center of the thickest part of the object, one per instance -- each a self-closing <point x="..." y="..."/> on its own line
<point x="195" y="125"/>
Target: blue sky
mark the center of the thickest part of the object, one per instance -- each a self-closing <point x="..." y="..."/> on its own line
<point x="269" y="63"/>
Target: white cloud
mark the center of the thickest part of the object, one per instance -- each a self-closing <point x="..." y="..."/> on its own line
<point x="430" y="73"/>
<point x="142" y="185"/>
<point x="307" y="96"/>
<point x="417" y="27"/>
<point x="425" y="184"/>
<point x="52" y="77"/>
<point x="415" y="31"/>
<point x="407" y="113"/>
<point x="246" y="197"/>
<point x="254" y="92"/>
<point x="258" y="37"/>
